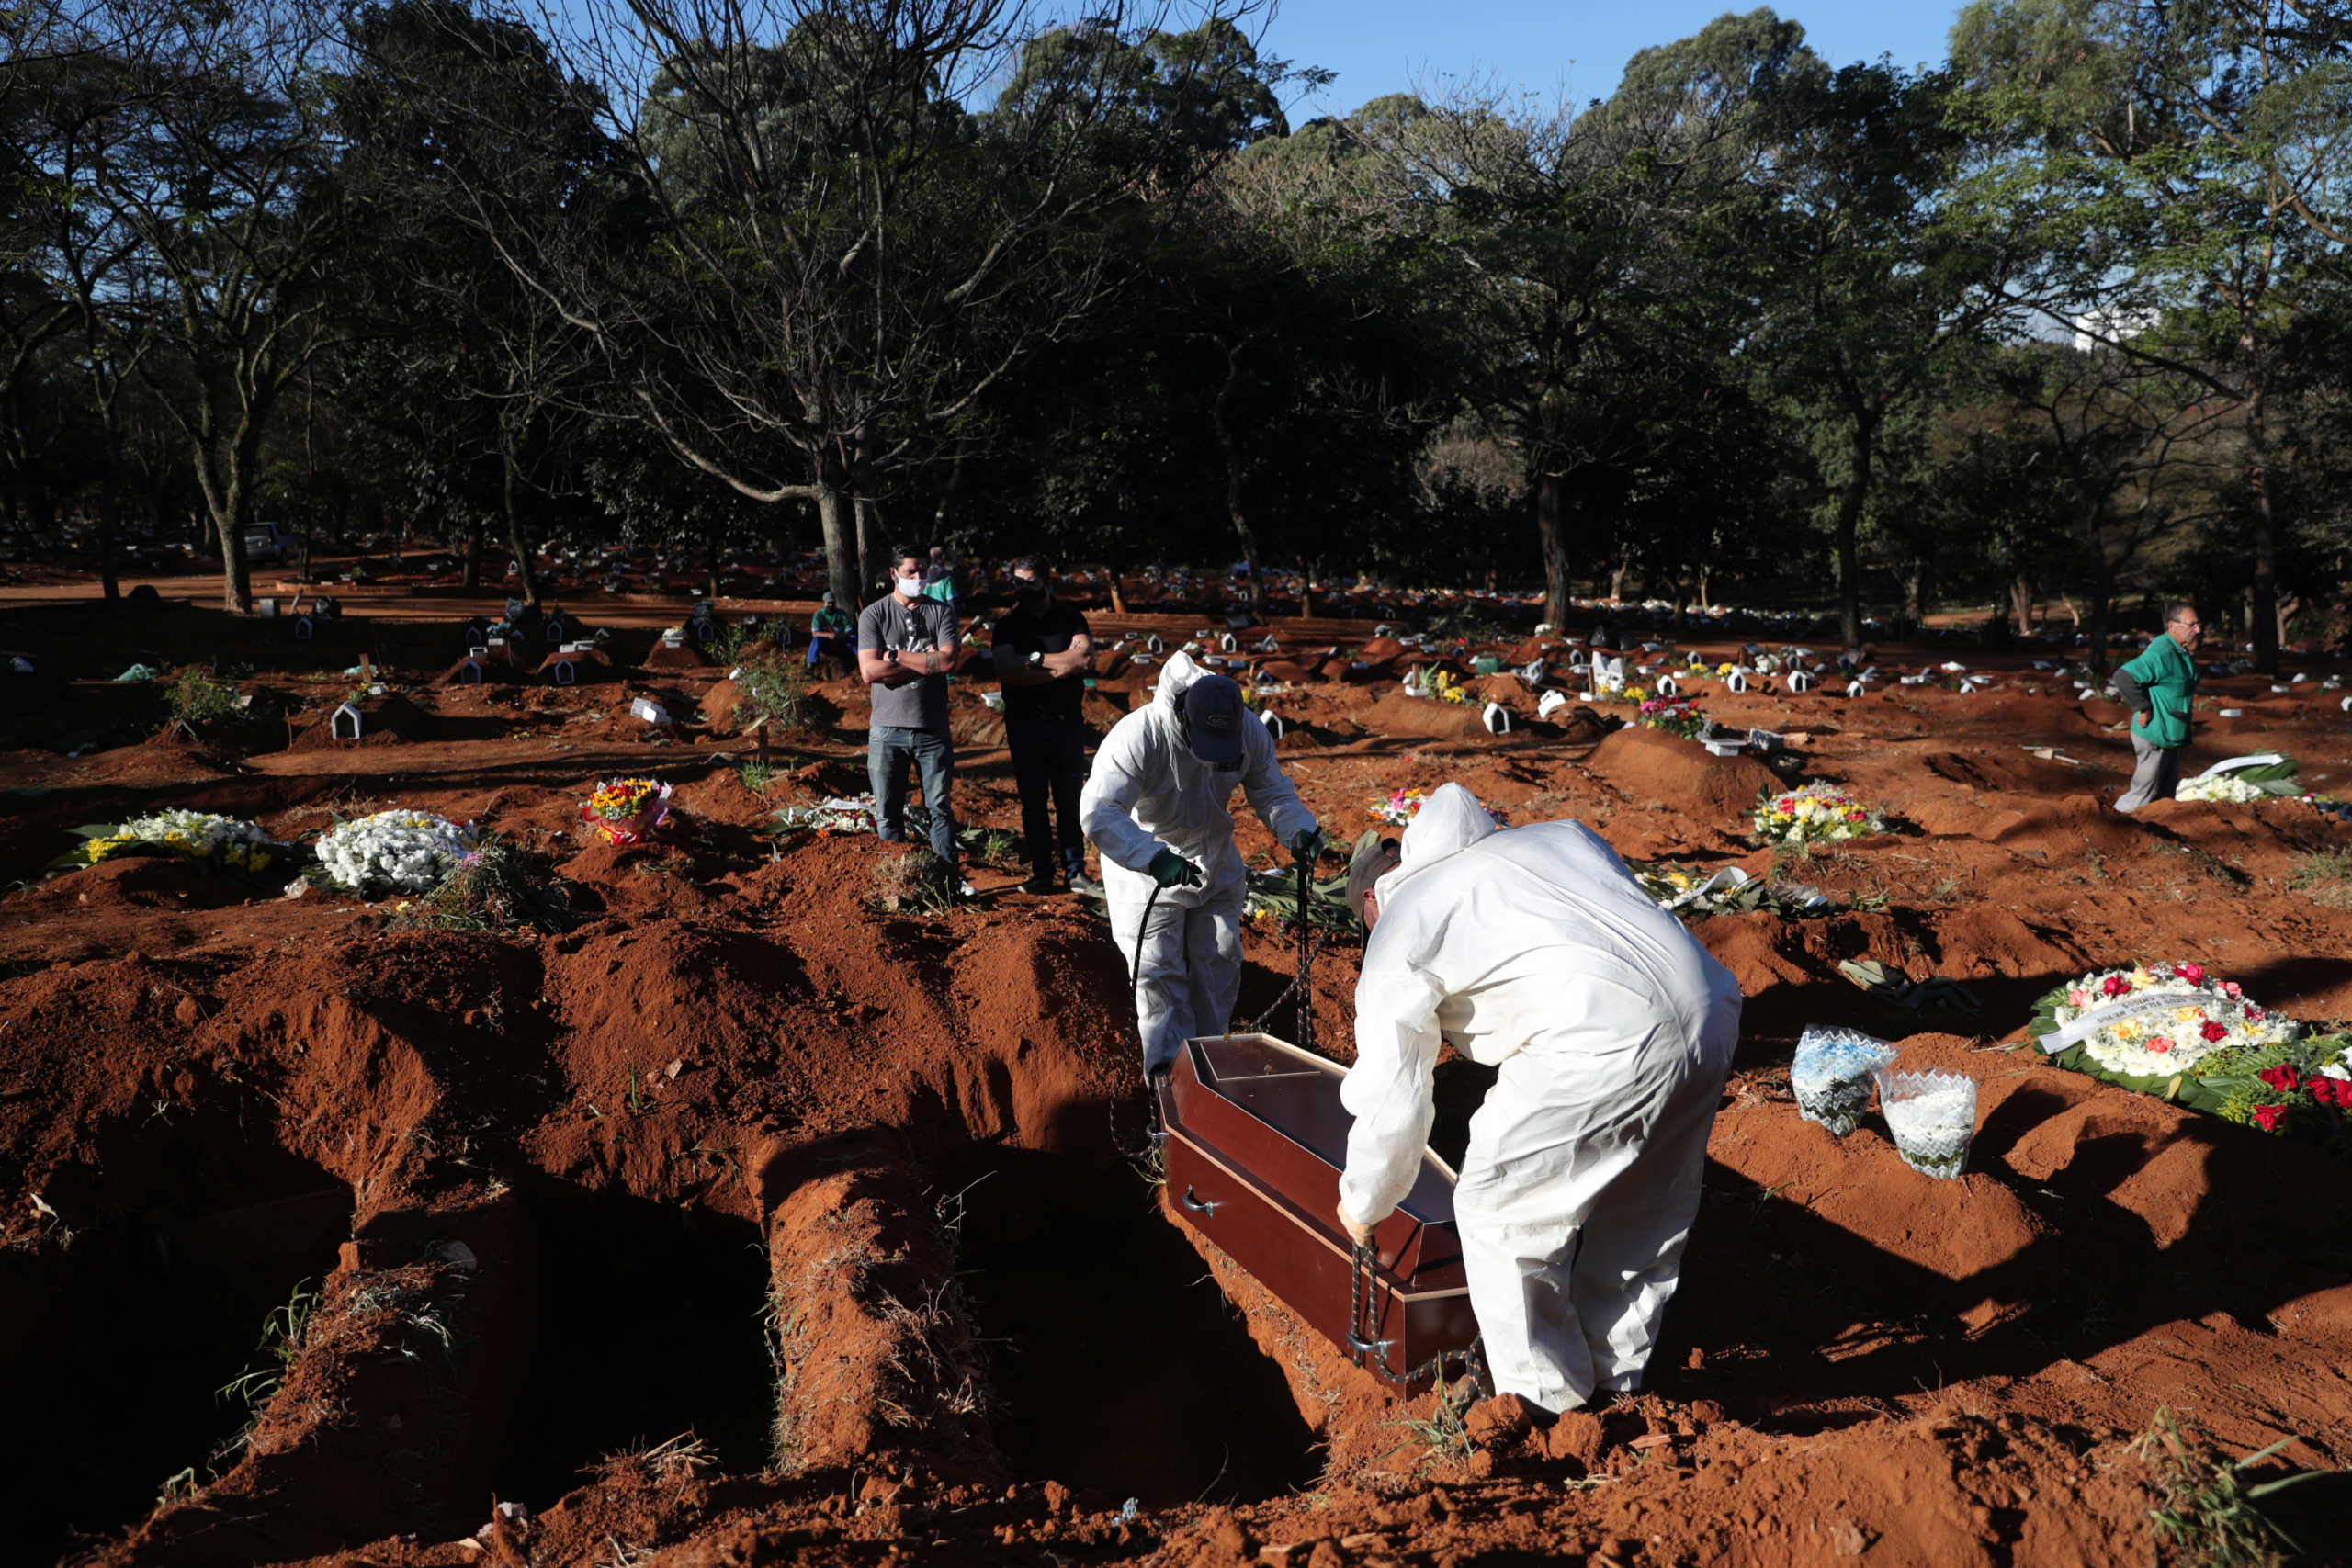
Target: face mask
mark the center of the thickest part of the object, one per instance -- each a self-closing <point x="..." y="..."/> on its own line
<point x="1029" y="595"/>
<point x="911" y="587"/>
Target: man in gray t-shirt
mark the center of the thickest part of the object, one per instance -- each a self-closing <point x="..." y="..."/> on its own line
<point x="906" y="646"/>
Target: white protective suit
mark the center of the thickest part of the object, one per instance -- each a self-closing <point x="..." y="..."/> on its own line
<point x="1533" y="951"/>
<point x="1148" y="792"/>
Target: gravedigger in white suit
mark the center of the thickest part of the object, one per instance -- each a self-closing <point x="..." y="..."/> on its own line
<point x="1533" y="951"/>
<point x="1155" y="806"/>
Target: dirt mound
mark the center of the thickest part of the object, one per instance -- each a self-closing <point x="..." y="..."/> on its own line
<point x="388" y="720"/>
<point x="1649" y="765"/>
<point x="2018" y="771"/>
<point x="133" y="882"/>
<point x="685" y="656"/>
<point x="2066" y="827"/>
<point x="1399" y="713"/>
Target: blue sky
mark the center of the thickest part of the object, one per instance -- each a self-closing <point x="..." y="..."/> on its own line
<point x="1551" y="45"/>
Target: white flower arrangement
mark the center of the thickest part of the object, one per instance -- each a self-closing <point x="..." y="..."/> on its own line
<point x="2219" y="786"/>
<point x="2160" y="1020"/>
<point x="223" y="841"/>
<point x="404" y="852"/>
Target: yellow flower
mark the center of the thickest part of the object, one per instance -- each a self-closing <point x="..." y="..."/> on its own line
<point x="2187" y="1015"/>
<point x="2129" y="1029"/>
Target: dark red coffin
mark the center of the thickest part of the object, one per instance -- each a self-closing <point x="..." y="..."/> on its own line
<point x="1255" y="1137"/>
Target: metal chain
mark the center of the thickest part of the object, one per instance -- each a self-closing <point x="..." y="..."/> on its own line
<point x="1310" y="947"/>
<point x="1361" y="1280"/>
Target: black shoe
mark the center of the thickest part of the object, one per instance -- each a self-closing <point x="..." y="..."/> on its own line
<point x="1041" y="885"/>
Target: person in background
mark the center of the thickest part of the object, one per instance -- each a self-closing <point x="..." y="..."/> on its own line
<point x="2158" y="687"/>
<point x="1533" y="951"/>
<point x="832" y="634"/>
<point x="1155" y="806"/>
<point x="1043" y="651"/>
<point x="906" y="646"/>
<point x="939" y="579"/>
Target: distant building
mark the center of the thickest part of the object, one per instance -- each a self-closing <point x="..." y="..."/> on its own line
<point x="2095" y="327"/>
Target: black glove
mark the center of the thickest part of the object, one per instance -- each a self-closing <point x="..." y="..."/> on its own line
<point x="1306" y="843"/>
<point x="1171" y="870"/>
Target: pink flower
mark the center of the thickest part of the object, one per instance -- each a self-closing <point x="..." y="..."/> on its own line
<point x="2192" y="973"/>
<point x="2231" y="989"/>
<point x="2078" y="998"/>
<point x="2160" y="1043"/>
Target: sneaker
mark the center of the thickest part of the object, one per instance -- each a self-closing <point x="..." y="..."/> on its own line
<point x="1083" y="885"/>
<point x="965" y="890"/>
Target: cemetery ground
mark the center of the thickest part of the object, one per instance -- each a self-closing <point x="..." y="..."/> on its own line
<point x="736" y="1218"/>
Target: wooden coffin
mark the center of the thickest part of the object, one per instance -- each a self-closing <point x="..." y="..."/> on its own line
<point x="1255" y="1140"/>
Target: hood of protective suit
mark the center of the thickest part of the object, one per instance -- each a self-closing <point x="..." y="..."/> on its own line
<point x="1449" y="821"/>
<point x="1175" y="677"/>
<point x="1147" y="791"/>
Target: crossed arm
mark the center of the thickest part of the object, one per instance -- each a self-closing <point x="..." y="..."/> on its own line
<point x="1013" y="670"/>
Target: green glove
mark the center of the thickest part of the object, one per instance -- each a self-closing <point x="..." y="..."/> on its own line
<point x="1171" y="870"/>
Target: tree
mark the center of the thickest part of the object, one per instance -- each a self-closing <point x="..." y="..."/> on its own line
<point x="493" y="373"/>
<point x="840" y="263"/>
<point x="1874" y="286"/>
<point x="223" y="179"/>
<point x="1590" y="279"/>
<point x="2185" y="167"/>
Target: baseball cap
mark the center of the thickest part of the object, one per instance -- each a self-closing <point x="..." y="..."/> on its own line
<point x="1212" y="716"/>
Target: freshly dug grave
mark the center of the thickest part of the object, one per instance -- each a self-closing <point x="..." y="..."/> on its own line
<point x="846" y="1196"/>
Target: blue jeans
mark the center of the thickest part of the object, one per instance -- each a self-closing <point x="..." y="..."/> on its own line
<point x="1049" y="768"/>
<point x="888" y="749"/>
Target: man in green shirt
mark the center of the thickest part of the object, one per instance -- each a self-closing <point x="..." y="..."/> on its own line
<point x="832" y="634"/>
<point x="2158" y="687"/>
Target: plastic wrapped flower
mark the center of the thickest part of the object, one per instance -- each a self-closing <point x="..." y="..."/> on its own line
<point x="1815" y="812"/>
<point x="624" y="810"/>
<point x="400" y="851"/>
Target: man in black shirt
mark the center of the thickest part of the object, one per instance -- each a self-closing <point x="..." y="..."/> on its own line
<point x="1043" y="651"/>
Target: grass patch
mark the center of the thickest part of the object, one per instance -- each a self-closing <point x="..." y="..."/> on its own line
<point x="2324" y="877"/>
<point x="914" y="881"/>
<point x="493" y="891"/>
<point x="197" y="699"/>
<point x="2210" y="1517"/>
<point x="757" y="776"/>
<point x="776" y="690"/>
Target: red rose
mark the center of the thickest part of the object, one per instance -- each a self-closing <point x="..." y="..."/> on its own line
<point x="2192" y="973"/>
<point x="2116" y="985"/>
<point x="2283" y="1078"/>
<point x="2256" y="1015"/>
<point x="2267" y="1117"/>
<point x="2215" y="1031"/>
<point x="2332" y="1091"/>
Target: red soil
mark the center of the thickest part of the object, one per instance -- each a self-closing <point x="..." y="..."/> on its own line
<point x="844" y="1192"/>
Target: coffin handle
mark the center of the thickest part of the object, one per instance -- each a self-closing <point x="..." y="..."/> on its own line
<point x="1198" y="1205"/>
<point x="1369" y="1347"/>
